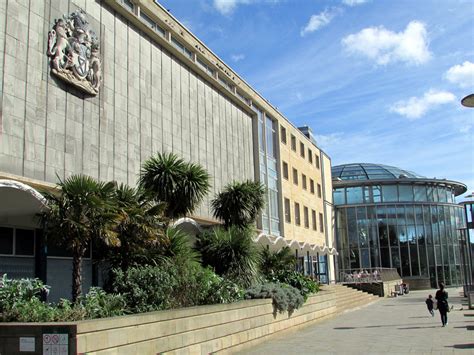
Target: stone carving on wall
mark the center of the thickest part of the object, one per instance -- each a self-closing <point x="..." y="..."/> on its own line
<point x="73" y="49"/>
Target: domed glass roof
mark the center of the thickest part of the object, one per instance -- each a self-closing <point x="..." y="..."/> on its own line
<point x="366" y="171"/>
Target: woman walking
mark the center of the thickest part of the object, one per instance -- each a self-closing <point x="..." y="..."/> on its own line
<point x="443" y="307"/>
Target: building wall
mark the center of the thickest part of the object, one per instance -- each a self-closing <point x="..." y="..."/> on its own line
<point x="150" y="101"/>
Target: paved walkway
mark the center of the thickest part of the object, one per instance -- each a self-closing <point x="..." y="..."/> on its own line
<point x="399" y="325"/>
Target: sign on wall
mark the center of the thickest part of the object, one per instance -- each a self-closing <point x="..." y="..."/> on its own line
<point x="73" y="49"/>
<point x="55" y="344"/>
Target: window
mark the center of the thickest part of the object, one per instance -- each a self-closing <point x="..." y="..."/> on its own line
<point x="311" y="186"/>
<point x="295" y="176"/>
<point x="287" y="211"/>
<point x="16" y="241"/>
<point x="317" y="161"/>
<point x="313" y="219"/>
<point x="310" y="156"/>
<point x="285" y="170"/>
<point x="306" y="217"/>
<point x="319" y="191"/>
<point x="128" y="4"/>
<point x="227" y="85"/>
<point x="302" y="150"/>
<point x="206" y="67"/>
<point x="303" y="178"/>
<point x="243" y="97"/>
<point x="293" y="143"/>
<point x="149" y="22"/>
<point x="297" y="214"/>
<point x="321" y="223"/>
<point x="283" y="134"/>
<point x="181" y="48"/>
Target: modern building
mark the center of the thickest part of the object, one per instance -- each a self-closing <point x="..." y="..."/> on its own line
<point x="97" y="87"/>
<point x="393" y="218"/>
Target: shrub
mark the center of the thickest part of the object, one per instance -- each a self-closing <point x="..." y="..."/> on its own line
<point x="303" y="283"/>
<point x="12" y="291"/>
<point x="272" y="262"/>
<point x="217" y="289"/>
<point x="231" y="253"/>
<point x="285" y="297"/>
<point x="100" y="304"/>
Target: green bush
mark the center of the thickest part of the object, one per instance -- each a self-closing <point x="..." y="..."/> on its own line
<point x="303" y="283"/>
<point x="12" y="291"/>
<point x="217" y="289"/>
<point x="285" y="297"/>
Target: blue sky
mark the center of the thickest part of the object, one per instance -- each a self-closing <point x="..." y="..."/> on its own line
<point x="378" y="81"/>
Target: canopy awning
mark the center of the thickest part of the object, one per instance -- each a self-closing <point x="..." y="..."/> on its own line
<point x="276" y="243"/>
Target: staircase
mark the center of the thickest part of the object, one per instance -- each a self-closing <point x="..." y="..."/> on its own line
<point x="349" y="299"/>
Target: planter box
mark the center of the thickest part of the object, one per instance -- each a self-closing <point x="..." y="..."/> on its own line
<point x="197" y="330"/>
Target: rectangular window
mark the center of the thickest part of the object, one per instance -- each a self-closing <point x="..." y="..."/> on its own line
<point x="313" y="219"/>
<point x="283" y="134"/>
<point x="205" y="66"/>
<point x="243" y="97"/>
<point x="287" y="211"/>
<point x="321" y="223"/>
<point x="302" y="150"/>
<point x="285" y="170"/>
<point x="128" y="5"/>
<point x="181" y="48"/>
<point x="311" y="186"/>
<point x="319" y="191"/>
<point x="310" y="156"/>
<point x="293" y="143"/>
<point x="226" y="84"/>
<point x="24" y="242"/>
<point x="303" y="179"/>
<point x="297" y="214"/>
<point x="295" y="176"/>
<point x="317" y="161"/>
<point x="306" y="217"/>
<point x="6" y="241"/>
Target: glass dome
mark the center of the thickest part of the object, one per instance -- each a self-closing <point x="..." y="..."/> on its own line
<point x="367" y="171"/>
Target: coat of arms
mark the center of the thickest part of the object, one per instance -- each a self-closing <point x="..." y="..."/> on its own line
<point x="73" y="48"/>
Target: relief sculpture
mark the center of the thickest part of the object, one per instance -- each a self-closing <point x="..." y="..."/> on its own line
<point x="73" y="48"/>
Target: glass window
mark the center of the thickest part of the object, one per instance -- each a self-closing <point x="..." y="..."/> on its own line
<point x="365" y="258"/>
<point x="283" y="134"/>
<point x="145" y="18"/>
<point x="297" y="214"/>
<point x="211" y="72"/>
<point x="392" y="234"/>
<point x="313" y="219"/>
<point x="293" y="143"/>
<point x="311" y="186"/>
<point x="181" y="47"/>
<point x="295" y="176"/>
<point x="321" y="223"/>
<point x="405" y="261"/>
<point x="6" y="240"/>
<point x="317" y="161"/>
<point x="396" y="259"/>
<point x="302" y="150"/>
<point x="339" y="197"/>
<point x="285" y="170"/>
<point x="354" y="194"/>
<point x="287" y="211"/>
<point x="306" y="216"/>
<point x="303" y="179"/>
<point x="389" y="193"/>
<point x="442" y="194"/>
<point x="420" y="193"/>
<point x="405" y="193"/>
<point x="310" y="156"/>
<point x="271" y="132"/>
<point x="319" y="191"/>
<point x="128" y="4"/>
<point x="352" y="228"/>
<point x="24" y="242"/>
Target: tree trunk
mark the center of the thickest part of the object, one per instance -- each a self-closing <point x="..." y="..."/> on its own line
<point x="76" y="273"/>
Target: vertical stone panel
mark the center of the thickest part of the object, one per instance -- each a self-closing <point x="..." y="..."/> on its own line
<point x="185" y="124"/>
<point x="156" y="100"/>
<point x="145" y="99"/>
<point x="193" y="118"/>
<point x="176" y="106"/>
<point x="166" y="97"/>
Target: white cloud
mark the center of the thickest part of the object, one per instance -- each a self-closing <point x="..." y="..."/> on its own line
<point x="319" y="21"/>
<point x="329" y="140"/>
<point x="416" y="107"/>
<point x="354" y="2"/>
<point x="461" y="74"/>
<point x="385" y="46"/>
<point x="225" y="7"/>
<point x="237" y="57"/>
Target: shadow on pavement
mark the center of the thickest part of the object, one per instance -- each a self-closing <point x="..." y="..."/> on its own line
<point x="418" y="327"/>
<point x="462" y="346"/>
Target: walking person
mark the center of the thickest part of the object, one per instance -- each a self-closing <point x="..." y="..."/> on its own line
<point x="443" y="307"/>
<point x="429" y="303"/>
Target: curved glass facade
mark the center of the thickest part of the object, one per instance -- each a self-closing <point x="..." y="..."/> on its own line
<point x="411" y="226"/>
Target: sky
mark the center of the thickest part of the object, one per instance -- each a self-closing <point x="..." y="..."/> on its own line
<point x="378" y="81"/>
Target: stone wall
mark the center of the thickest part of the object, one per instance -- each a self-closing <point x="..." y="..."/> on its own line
<point x="149" y="102"/>
<point x="195" y="330"/>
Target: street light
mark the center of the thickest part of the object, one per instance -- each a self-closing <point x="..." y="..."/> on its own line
<point x="468" y="101"/>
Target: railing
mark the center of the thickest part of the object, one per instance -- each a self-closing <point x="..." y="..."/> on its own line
<point x="370" y="275"/>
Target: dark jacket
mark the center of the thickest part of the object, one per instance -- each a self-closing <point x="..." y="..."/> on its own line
<point x="442" y="298"/>
<point x="429" y="302"/>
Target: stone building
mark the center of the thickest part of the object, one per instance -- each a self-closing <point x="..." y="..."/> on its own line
<point x="96" y="87"/>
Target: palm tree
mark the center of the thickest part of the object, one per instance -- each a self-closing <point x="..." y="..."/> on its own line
<point x="239" y="203"/>
<point x="181" y="185"/>
<point x="271" y="263"/>
<point x="80" y="212"/>
<point x="139" y="225"/>
<point x="231" y="253"/>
